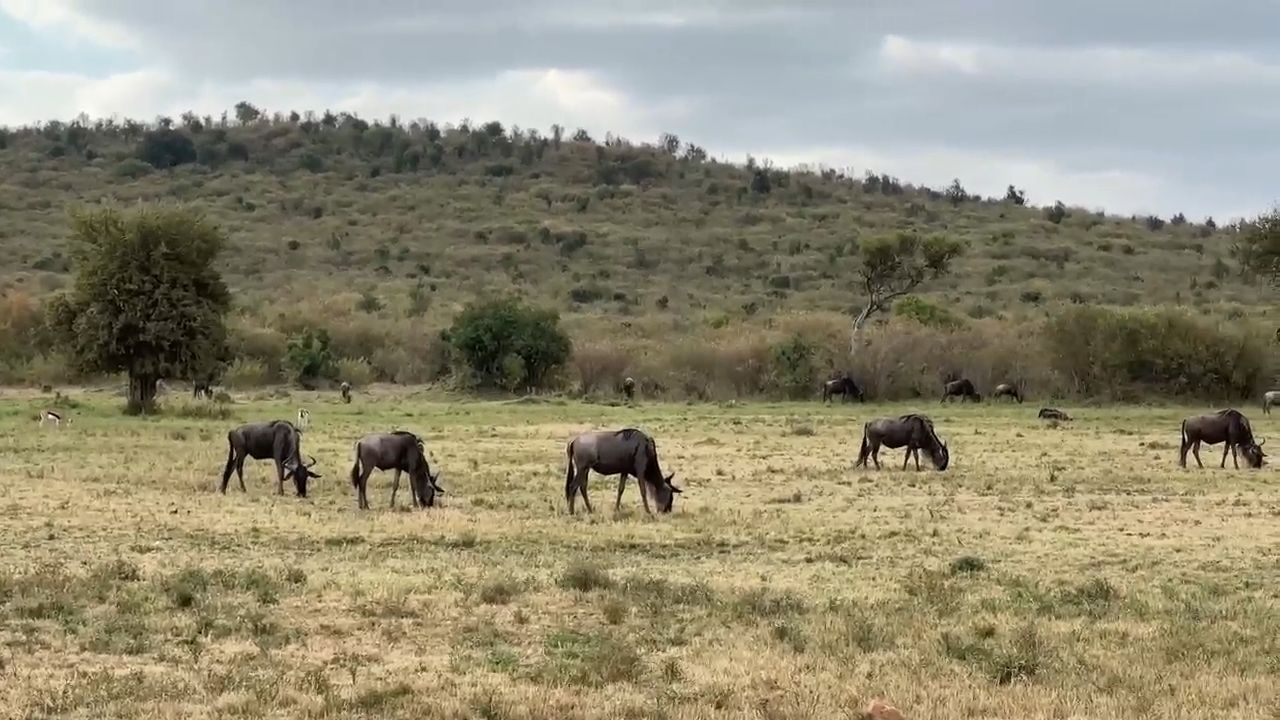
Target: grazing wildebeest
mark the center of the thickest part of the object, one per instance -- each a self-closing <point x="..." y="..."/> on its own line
<point x="304" y="418"/>
<point x="1008" y="390"/>
<point x="278" y="440"/>
<point x="52" y="417"/>
<point x="1269" y="398"/>
<point x="400" y="451"/>
<point x="962" y="389"/>
<point x="618" y="452"/>
<point x="1229" y="426"/>
<point x="1053" y="414"/>
<point x="345" y="388"/>
<point x="913" y="431"/>
<point x="629" y="388"/>
<point x="844" y="386"/>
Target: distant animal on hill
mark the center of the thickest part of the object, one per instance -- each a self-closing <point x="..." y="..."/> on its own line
<point x="913" y="431"/>
<point x="304" y="418"/>
<point x="50" y="416"/>
<point x="1053" y="414"/>
<point x="345" y="389"/>
<point x="399" y="451"/>
<point x="1269" y="398"/>
<point x="1008" y="390"/>
<point x="621" y="452"/>
<point x="278" y="440"/>
<point x="629" y="388"/>
<point x="1229" y="426"/>
<point x="962" y="389"/>
<point x="844" y="386"/>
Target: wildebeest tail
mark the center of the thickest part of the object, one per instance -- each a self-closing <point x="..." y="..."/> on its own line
<point x="568" y="473"/>
<point x="865" y="450"/>
<point x="231" y="462"/>
<point x="355" y="468"/>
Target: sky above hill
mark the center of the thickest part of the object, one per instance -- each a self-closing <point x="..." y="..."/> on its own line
<point x="1141" y="106"/>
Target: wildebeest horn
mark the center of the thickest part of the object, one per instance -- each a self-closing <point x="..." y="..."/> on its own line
<point x="313" y="460"/>
<point x="1262" y="442"/>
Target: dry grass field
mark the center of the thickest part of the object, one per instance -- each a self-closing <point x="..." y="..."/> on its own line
<point x="1071" y="572"/>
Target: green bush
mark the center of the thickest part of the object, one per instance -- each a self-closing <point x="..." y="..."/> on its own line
<point x="308" y="358"/>
<point x="1120" y="354"/>
<point x="926" y="313"/>
<point x="793" y="367"/>
<point x="509" y="345"/>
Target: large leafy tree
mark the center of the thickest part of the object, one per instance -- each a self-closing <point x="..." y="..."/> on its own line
<point x="1257" y="246"/>
<point x="509" y="345"/>
<point x="147" y="300"/>
<point x="890" y="267"/>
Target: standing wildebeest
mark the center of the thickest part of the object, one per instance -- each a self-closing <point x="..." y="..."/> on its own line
<point x="844" y="386"/>
<point x="629" y="388"/>
<point x="1229" y="426"/>
<point x="1008" y="390"/>
<point x="201" y="387"/>
<point x="345" y="388"/>
<point x="1269" y="398"/>
<point x="400" y="451"/>
<point x="621" y="452"/>
<point x="914" y="431"/>
<point x="962" y="389"/>
<point x="277" y="440"/>
<point x="1053" y="414"/>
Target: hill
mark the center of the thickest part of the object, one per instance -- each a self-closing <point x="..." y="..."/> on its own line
<point x="394" y="226"/>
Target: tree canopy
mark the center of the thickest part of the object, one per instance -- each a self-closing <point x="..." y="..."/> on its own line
<point x="890" y="267"/>
<point x="146" y="300"/>
<point x="1257" y="246"/>
<point x="509" y="345"/>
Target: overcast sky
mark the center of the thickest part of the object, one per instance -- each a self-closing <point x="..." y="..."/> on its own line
<point x="1132" y="105"/>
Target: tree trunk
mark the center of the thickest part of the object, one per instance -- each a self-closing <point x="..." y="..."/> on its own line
<point x="142" y="394"/>
<point x="855" y="334"/>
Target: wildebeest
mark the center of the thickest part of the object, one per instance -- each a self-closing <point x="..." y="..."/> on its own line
<point x="304" y="418"/>
<point x="278" y="440"/>
<point x="1269" y="398"/>
<point x="1008" y="390"/>
<point x="1229" y="426"/>
<point x="844" y="386"/>
<point x="913" y="431"/>
<point x="345" y="388"/>
<point x="629" y="388"/>
<point x="202" y="387"/>
<point x="400" y="451"/>
<point x="962" y="389"/>
<point x="618" y="452"/>
<point x="1053" y="414"/>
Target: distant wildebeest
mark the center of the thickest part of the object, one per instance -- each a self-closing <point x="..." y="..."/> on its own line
<point x="629" y="388"/>
<point x="1229" y="426"/>
<point x="962" y="389"/>
<point x="913" y="431"/>
<point x="202" y="388"/>
<point x="345" y="388"/>
<point x="618" y="452"/>
<point x="304" y="418"/>
<point x="277" y="440"/>
<point x="400" y="451"/>
<point x="1269" y="398"/>
<point x="1053" y="414"/>
<point x="844" y="386"/>
<point x="1006" y="390"/>
<point x="49" y="416"/>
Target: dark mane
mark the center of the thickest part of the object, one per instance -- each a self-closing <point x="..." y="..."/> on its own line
<point x="628" y="433"/>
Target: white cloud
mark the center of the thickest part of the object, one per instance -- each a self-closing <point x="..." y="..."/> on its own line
<point x="64" y="15"/>
<point x="1093" y="65"/>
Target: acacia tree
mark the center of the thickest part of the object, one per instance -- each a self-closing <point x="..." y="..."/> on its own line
<point x="890" y="267"/>
<point x="147" y="300"/>
<point x="1257" y="246"/>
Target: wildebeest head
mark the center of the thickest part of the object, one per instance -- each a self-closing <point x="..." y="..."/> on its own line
<point x="663" y="492"/>
<point x="425" y="484"/>
<point x="1253" y="453"/>
<point x="300" y="474"/>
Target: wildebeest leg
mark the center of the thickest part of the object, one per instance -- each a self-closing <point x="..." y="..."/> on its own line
<point x="362" y="494"/>
<point x="906" y="459"/>
<point x="1195" y="450"/>
<point x="915" y="453"/>
<point x="875" y="454"/>
<point x="240" y="472"/>
<point x="395" y="485"/>
<point x="582" y="488"/>
<point x="622" y="485"/>
<point x="279" y="477"/>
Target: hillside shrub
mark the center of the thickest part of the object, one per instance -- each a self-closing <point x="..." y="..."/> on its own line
<point x="925" y="313"/>
<point x="794" y="368"/>
<point x="506" y="344"/>
<point x="1127" y="354"/>
<point x="308" y="358"/>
